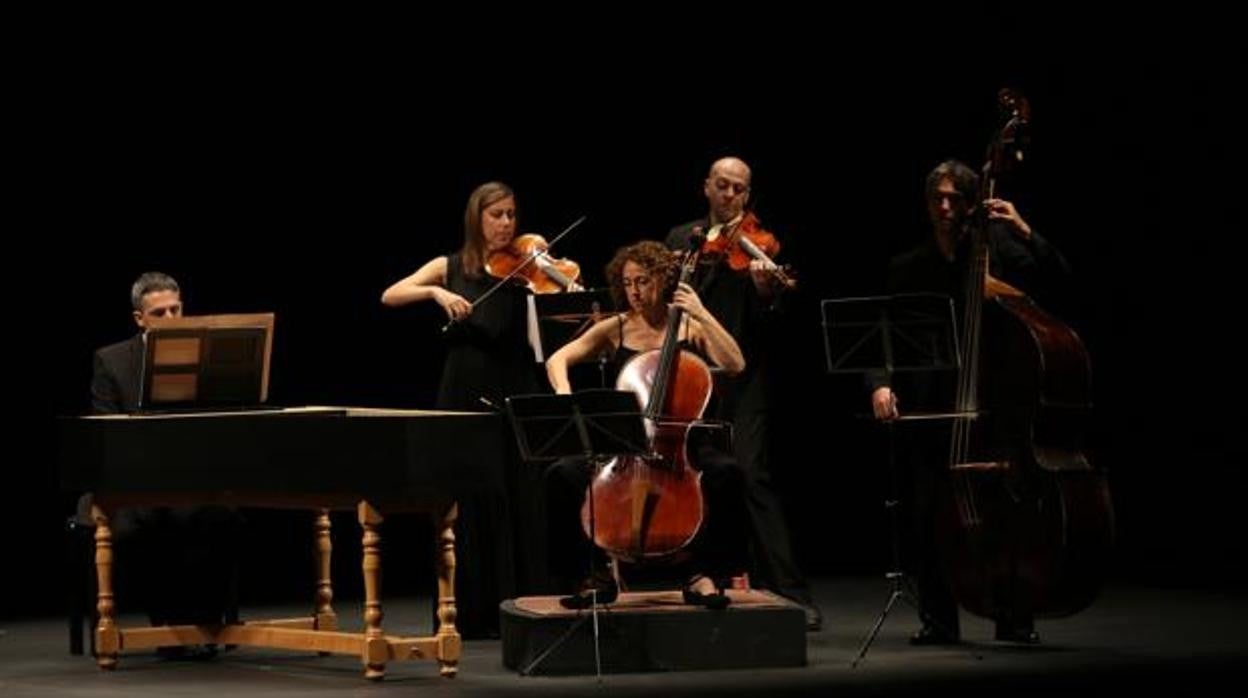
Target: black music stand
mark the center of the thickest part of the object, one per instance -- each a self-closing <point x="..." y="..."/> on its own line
<point x="882" y="336"/>
<point x="593" y="425"/>
<point x="559" y="318"/>
<point x="201" y="362"/>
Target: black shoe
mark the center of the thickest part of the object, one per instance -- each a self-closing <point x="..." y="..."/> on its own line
<point x="716" y="601"/>
<point x="177" y="653"/>
<point x="1025" y="635"/>
<point x="605" y="591"/>
<point x="929" y="635"/>
<point x="814" y="618"/>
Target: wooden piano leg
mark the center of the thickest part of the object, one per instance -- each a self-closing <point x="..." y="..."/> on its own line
<point x="449" y="644"/>
<point x="108" y="640"/>
<point x="326" y="619"/>
<point x="376" y="650"/>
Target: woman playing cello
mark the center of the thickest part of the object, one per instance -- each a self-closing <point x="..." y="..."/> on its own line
<point x="641" y="276"/>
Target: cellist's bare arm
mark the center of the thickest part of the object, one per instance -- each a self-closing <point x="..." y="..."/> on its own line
<point x="706" y="331"/>
<point x="595" y="340"/>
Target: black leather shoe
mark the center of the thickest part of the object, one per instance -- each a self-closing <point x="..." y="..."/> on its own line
<point x="814" y="618"/>
<point x="1023" y="635"/>
<point x="177" y="653"/>
<point x="716" y="601"/>
<point x="607" y="592"/>
<point x="929" y="635"/>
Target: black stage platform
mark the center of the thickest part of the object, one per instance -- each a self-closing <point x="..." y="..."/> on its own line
<point x="654" y="631"/>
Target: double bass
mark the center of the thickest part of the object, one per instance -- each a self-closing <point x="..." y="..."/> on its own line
<point x="1027" y="523"/>
<point x="651" y="506"/>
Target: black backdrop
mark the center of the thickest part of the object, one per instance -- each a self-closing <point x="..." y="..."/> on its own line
<point x="305" y="187"/>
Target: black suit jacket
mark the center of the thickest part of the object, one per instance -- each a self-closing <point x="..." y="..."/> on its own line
<point x="732" y="298"/>
<point x="115" y="380"/>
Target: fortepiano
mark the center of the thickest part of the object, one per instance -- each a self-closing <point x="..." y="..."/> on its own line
<point x="320" y="458"/>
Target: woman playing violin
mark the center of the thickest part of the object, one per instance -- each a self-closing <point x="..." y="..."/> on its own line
<point x="488" y="359"/>
<point x="640" y="277"/>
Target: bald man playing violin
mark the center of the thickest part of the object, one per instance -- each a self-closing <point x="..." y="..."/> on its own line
<point x="745" y="303"/>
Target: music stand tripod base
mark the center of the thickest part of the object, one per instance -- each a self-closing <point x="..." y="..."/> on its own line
<point x="592" y="425"/>
<point x="880" y="337"/>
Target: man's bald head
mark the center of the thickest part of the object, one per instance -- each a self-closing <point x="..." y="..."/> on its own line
<point x="727" y="188"/>
<point x="735" y="167"/>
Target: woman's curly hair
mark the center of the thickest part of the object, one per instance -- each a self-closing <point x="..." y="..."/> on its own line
<point x="652" y="256"/>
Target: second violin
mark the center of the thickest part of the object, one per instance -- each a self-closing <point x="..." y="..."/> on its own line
<point x="744" y="242"/>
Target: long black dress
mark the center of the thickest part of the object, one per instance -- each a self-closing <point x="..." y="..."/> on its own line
<point x="499" y="546"/>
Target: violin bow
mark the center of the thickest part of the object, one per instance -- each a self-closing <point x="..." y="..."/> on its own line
<point x="499" y="284"/>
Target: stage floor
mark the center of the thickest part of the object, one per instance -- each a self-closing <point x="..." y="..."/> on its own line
<point x="1133" y="637"/>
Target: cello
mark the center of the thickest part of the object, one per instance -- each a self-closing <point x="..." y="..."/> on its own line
<point x="651" y="506"/>
<point x="1027" y="522"/>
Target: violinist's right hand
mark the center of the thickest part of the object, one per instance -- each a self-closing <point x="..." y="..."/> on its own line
<point x="884" y="403"/>
<point x="456" y="306"/>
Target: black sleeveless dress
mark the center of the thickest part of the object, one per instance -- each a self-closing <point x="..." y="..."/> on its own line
<point x="488" y="355"/>
<point x="499" y="536"/>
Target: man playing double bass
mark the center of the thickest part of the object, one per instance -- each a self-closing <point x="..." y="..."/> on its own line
<point x="1021" y="258"/>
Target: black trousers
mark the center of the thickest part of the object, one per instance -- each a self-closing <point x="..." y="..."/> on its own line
<point x="923" y="457"/>
<point x="923" y="463"/>
<point x="178" y="564"/>
<point x="774" y="566"/>
<point x="718" y="549"/>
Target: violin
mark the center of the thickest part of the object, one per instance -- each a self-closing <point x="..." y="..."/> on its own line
<point x="520" y="258"/>
<point x="745" y="242"/>
<point x="527" y="260"/>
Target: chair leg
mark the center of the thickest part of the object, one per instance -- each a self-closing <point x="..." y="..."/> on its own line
<point x="79" y="596"/>
<point x="89" y="587"/>
<point x="231" y="596"/>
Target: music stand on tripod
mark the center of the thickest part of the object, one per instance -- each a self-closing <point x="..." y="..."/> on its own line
<point x="592" y="425"/>
<point x="883" y="336"/>
<point x="558" y="318"/>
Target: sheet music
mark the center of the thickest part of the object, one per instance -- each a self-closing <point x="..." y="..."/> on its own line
<point x="534" y="333"/>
